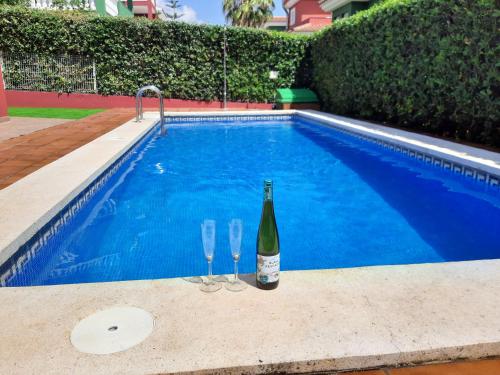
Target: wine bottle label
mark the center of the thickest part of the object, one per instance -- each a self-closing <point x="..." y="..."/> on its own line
<point x="268" y="268"/>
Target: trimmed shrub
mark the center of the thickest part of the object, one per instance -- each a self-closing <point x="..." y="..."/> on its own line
<point x="15" y="2"/>
<point x="430" y="65"/>
<point x="184" y="60"/>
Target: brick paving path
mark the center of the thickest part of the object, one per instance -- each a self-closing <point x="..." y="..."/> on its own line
<point x="482" y="367"/>
<point x="23" y="155"/>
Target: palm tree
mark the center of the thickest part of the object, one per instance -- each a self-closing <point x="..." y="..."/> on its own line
<point x="173" y="13"/>
<point x="248" y="13"/>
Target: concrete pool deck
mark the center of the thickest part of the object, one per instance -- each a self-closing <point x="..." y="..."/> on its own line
<point x="326" y="320"/>
<point x="17" y="126"/>
<point x="316" y="320"/>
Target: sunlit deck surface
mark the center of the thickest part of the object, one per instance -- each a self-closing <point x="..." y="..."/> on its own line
<point x="325" y="320"/>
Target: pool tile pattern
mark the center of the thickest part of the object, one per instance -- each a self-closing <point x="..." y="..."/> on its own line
<point x="249" y="117"/>
<point x="11" y="267"/>
<point x="469" y="172"/>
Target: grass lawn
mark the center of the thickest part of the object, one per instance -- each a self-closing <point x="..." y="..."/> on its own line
<point x="66" y="113"/>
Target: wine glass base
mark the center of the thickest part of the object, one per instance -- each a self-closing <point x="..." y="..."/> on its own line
<point x="210" y="287"/>
<point x="235" y="285"/>
<point x="220" y="279"/>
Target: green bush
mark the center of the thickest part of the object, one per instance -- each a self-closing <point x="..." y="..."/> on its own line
<point x="15" y="2"/>
<point x="184" y="60"/>
<point x="430" y="65"/>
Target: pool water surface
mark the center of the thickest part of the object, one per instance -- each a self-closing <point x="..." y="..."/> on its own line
<point x="340" y="201"/>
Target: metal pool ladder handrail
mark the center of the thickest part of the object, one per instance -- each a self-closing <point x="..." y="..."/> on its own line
<point x="139" y="115"/>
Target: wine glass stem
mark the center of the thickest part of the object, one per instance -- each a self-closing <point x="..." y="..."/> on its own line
<point x="210" y="271"/>
<point x="236" y="270"/>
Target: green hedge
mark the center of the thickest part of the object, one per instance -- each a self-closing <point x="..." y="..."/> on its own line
<point x="184" y="60"/>
<point x="430" y="65"/>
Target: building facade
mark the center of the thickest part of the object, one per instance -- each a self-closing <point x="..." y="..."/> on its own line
<point x="303" y="16"/>
<point x="345" y="8"/>
<point x="124" y="8"/>
<point x="306" y="16"/>
<point x="277" y="23"/>
<point x="142" y="8"/>
<point x="102" y="7"/>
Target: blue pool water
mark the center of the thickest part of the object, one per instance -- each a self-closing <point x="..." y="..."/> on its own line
<point x="340" y="201"/>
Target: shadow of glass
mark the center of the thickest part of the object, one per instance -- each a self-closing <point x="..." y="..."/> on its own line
<point x="248" y="278"/>
<point x="194" y="279"/>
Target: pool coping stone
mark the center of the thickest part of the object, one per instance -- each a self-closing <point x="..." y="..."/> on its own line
<point x="319" y="320"/>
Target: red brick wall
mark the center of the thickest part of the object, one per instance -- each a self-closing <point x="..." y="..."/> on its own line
<point x="55" y="100"/>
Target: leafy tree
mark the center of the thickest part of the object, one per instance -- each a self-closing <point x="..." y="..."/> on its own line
<point x="248" y="13"/>
<point x="14" y="2"/>
<point x="59" y="4"/>
<point x="173" y="13"/>
<point x="195" y="70"/>
<point x="71" y="4"/>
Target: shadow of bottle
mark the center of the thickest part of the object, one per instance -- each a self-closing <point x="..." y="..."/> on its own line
<point x="249" y="278"/>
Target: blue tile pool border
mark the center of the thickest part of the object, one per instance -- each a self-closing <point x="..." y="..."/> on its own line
<point x="229" y="118"/>
<point x="477" y="174"/>
<point x="27" y="251"/>
<point x="459" y="168"/>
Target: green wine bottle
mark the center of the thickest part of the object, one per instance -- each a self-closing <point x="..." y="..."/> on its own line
<point x="268" y="243"/>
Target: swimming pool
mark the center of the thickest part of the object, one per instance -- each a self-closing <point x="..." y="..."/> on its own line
<point x="340" y="201"/>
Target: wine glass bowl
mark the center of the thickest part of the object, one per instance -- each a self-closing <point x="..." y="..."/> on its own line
<point x="235" y="236"/>
<point x="208" y="240"/>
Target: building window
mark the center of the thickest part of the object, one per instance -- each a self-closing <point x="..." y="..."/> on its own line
<point x="292" y="17"/>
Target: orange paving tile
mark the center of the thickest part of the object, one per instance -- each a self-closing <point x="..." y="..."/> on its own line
<point x="484" y="367"/>
<point x="478" y="367"/>
<point x="23" y="155"/>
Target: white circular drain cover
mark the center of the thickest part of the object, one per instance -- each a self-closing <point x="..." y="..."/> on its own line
<point x="112" y="330"/>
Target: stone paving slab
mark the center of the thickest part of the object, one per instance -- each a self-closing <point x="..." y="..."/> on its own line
<point x="322" y="320"/>
<point x="17" y="126"/>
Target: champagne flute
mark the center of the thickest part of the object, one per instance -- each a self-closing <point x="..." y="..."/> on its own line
<point x="208" y="239"/>
<point x="235" y="235"/>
